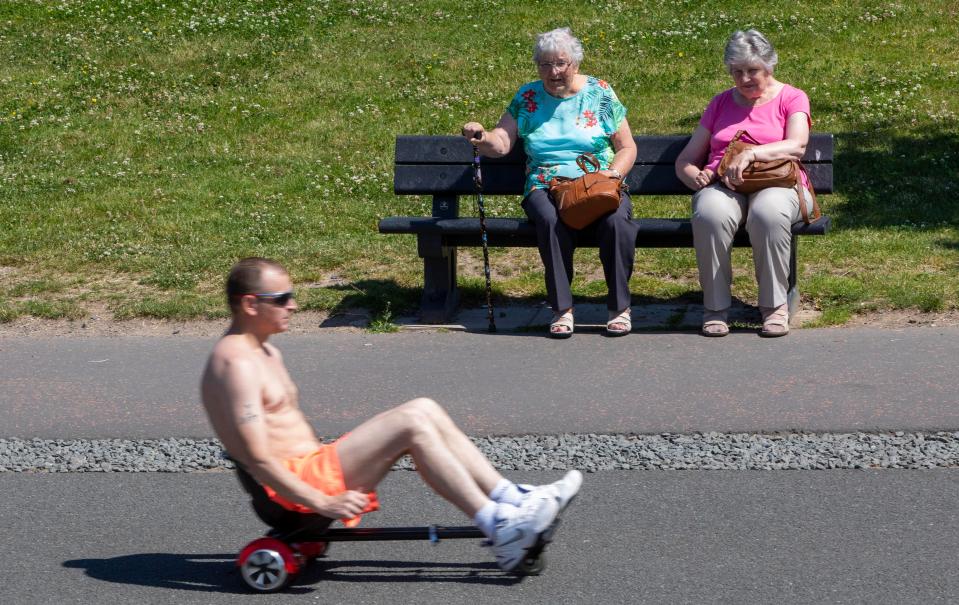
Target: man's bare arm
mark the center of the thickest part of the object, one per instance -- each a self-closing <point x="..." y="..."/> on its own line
<point x="248" y="442"/>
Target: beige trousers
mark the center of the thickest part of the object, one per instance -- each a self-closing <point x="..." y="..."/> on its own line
<point x="769" y="214"/>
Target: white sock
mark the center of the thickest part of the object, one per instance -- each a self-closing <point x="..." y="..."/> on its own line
<point x="485" y="519"/>
<point x="507" y="492"/>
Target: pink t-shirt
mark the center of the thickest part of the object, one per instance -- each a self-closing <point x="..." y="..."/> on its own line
<point x="765" y="123"/>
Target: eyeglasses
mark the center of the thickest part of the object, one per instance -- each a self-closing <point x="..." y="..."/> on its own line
<point x="280" y="299"/>
<point x="549" y="65"/>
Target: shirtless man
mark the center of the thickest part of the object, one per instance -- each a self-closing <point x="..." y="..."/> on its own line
<point x="253" y="406"/>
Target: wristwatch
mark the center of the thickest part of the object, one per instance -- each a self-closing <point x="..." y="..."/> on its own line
<point x="616" y="173"/>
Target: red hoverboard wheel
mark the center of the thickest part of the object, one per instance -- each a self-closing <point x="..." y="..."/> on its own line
<point x="267" y="565"/>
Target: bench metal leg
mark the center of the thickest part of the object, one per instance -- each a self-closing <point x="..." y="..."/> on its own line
<point x="440" y="294"/>
<point x="792" y="294"/>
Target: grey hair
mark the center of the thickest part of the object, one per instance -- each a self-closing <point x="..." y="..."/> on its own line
<point x="750" y="47"/>
<point x="559" y="40"/>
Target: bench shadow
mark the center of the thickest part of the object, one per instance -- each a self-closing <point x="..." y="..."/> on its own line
<point x="907" y="182"/>
<point x="368" y="299"/>
<point x="743" y="316"/>
<point x="218" y="573"/>
<point x="372" y="298"/>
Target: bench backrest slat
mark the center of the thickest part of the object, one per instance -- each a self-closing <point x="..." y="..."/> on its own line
<point x="427" y="165"/>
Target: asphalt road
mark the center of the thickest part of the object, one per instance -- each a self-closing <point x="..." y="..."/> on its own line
<point x="814" y="380"/>
<point x="632" y="537"/>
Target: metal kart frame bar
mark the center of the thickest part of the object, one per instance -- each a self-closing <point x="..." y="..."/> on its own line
<point x="433" y="533"/>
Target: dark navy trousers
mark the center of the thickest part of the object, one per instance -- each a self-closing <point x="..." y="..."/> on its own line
<point x="557" y="242"/>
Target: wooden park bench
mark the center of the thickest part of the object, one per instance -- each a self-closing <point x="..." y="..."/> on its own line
<point x="441" y="166"/>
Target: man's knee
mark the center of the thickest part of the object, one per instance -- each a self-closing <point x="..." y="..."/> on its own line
<point x="418" y="415"/>
<point x="425" y="405"/>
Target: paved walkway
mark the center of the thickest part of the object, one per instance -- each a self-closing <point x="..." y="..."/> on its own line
<point x="508" y="382"/>
<point x="878" y="537"/>
<point x="683" y="537"/>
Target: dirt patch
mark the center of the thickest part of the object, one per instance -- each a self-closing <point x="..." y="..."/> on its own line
<point x="305" y="322"/>
<point x="904" y="319"/>
<point x="315" y="322"/>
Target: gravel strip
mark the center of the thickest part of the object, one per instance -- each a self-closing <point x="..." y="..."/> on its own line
<point x="587" y="452"/>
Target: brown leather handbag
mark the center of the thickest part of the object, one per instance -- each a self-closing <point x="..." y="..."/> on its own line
<point x="776" y="173"/>
<point x="582" y="200"/>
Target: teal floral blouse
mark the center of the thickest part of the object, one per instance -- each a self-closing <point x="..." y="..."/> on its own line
<point x="556" y="131"/>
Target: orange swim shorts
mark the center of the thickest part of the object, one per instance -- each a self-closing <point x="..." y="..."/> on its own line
<point x="321" y="469"/>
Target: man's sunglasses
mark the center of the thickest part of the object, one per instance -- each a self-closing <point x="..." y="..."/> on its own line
<point x="280" y="299"/>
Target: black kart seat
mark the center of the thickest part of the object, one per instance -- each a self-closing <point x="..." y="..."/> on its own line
<point x="282" y="520"/>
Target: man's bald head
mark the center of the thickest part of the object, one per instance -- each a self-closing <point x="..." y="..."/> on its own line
<point x="246" y="277"/>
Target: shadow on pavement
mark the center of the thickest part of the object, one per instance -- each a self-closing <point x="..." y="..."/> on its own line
<point x="194" y="572"/>
<point x="217" y="572"/>
<point x="329" y="570"/>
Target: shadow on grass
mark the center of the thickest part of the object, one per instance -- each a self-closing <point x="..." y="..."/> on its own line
<point x="369" y="302"/>
<point x="949" y="244"/>
<point x="897" y="180"/>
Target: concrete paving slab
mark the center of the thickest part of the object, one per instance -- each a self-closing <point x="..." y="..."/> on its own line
<point x="593" y="316"/>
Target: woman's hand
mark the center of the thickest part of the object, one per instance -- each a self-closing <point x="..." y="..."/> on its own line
<point x="693" y="156"/>
<point x="704" y="178"/>
<point x="734" y="171"/>
<point x="474" y="131"/>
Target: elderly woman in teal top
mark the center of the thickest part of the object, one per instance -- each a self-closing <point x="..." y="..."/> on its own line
<point x="559" y="117"/>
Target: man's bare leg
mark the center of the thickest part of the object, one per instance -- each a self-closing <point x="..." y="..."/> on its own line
<point x="444" y="456"/>
<point x="460" y="445"/>
<point x="450" y="463"/>
<point x="487" y="477"/>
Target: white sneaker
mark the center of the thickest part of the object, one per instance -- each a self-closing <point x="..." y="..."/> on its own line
<point x="519" y="527"/>
<point x="563" y="490"/>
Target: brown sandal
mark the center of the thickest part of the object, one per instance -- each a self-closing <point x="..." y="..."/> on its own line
<point x="775" y="321"/>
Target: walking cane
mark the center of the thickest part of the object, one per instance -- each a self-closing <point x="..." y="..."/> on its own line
<point x="478" y="184"/>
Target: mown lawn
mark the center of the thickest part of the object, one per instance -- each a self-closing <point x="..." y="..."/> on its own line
<point x="145" y="145"/>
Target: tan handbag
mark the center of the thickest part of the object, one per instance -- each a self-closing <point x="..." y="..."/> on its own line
<point x="777" y="173"/>
<point x="582" y="200"/>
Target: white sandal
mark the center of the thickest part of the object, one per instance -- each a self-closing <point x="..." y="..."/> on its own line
<point x="775" y="321"/>
<point x="715" y="323"/>
<point x="564" y="321"/>
<point x="623" y="318"/>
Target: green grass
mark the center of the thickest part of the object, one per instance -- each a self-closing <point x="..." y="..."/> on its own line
<point x="145" y="146"/>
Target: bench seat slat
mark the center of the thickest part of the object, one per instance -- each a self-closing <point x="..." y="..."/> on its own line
<point x="653" y="232"/>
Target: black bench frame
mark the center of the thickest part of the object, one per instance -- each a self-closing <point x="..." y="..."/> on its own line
<point x="441" y="166"/>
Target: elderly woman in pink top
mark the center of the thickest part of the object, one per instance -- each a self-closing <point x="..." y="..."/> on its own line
<point x="777" y="116"/>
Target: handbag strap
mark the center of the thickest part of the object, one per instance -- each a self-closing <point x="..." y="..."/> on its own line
<point x="743" y="135"/>
<point x="727" y="154"/>
<point x="591" y="159"/>
<point x="816" y="212"/>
